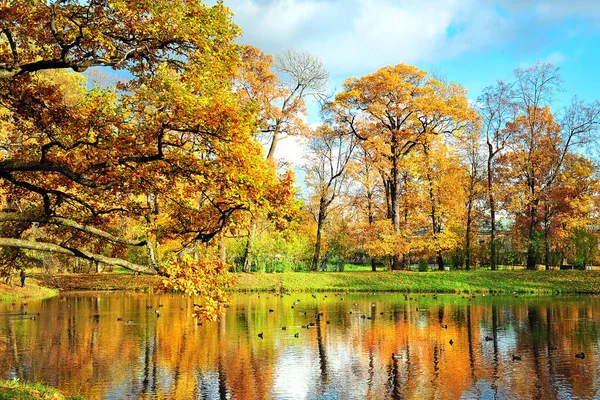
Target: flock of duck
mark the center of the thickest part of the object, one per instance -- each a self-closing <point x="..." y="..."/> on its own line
<point x="395" y="356"/>
<point x="318" y="318"/>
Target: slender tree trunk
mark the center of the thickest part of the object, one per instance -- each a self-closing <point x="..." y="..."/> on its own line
<point x="547" y="242"/>
<point x="271" y="153"/>
<point x="395" y="202"/>
<point x="531" y="261"/>
<point x="492" y="206"/>
<point x="468" y="236"/>
<point x="436" y="225"/>
<point x="248" y="252"/>
<point x="320" y="222"/>
<point x="371" y="220"/>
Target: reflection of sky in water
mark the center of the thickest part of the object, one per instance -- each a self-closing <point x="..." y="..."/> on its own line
<point x="296" y="372"/>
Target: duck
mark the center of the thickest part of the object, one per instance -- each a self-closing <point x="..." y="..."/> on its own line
<point x="119" y="319"/>
<point x="488" y="339"/>
<point x="260" y="335"/>
<point x="396" y="356"/>
<point x="444" y="326"/>
<point x="271" y="310"/>
<point x="130" y="322"/>
<point x="283" y="328"/>
<point x="296" y="335"/>
<point x="451" y="342"/>
<point x="580" y="355"/>
<point x="516" y="358"/>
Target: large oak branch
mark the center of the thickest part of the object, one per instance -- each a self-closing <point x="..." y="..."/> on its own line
<point x="53" y="248"/>
<point x="19" y="217"/>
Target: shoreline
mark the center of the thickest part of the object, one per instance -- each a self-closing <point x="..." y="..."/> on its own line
<point x="482" y="281"/>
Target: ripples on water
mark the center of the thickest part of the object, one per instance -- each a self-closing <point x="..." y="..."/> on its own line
<point x="78" y="344"/>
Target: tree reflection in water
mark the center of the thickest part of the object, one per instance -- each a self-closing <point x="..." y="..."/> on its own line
<point x="79" y="345"/>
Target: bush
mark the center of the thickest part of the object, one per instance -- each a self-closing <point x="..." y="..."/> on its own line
<point x="423" y="265"/>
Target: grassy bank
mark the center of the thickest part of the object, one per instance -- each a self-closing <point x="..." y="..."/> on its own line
<point x="441" y="282"/>
<point x="103" y="281"/>
<point x="522" y="281"/>
<point x="29" y="391"/>
<point x="33" y="289"/>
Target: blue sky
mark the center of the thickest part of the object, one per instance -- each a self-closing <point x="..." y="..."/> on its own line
<point x="471" y="42"/>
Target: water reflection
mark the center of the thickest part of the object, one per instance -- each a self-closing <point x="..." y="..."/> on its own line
<point x="116" y="345"/>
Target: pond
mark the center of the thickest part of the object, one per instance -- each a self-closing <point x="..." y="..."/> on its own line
<point x="129" y="345"/>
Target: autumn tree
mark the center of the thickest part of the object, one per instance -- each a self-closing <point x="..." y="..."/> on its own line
<point x="397" y="108"/>
<point x="329" y="153"/>
<point x="367" y="199"/>
<point x="540" y="145"/>
<point x="496" y="107"/>
<point x="473" y="184"/>
<point x="441" y="176"/>
<point x="279" y="88"/>
<point x="78" y="160"/>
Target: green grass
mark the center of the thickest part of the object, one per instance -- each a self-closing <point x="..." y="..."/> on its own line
<point x="11" y="293"/>
<point x="16" y="389"/>
<point x="521" y="281"/>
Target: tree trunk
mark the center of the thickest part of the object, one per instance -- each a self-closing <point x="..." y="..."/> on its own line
<point x="274" y="140"/>
<point x="371" y="220"/>
<point x="468" y="236"/>
<point x="531" y="261"/>
<point x="395" y="203"/>
<point x="492" y="206"/>
<point x="547" y="246"/>
<point x="320" y="222"/>
<point x="248" y="252"/>
<point x="440" y="261"/>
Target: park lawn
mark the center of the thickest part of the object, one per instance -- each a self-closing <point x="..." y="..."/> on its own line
<point x="16" y="389"/>
<point x="483" y="281"/>
<point x="521" y="281"/>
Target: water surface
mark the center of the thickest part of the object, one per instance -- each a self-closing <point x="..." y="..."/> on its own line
<point x="116" y="346"/>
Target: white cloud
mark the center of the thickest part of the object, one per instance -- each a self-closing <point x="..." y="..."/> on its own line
<point x="358" y="36"/>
